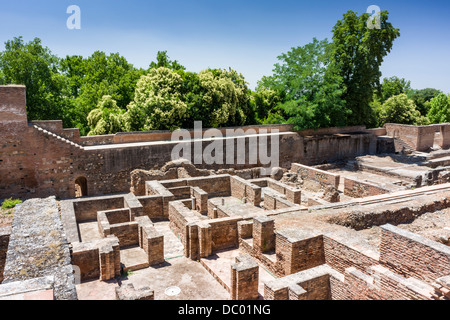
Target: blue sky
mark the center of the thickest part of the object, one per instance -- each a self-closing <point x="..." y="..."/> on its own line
<point x="245" y="35"/>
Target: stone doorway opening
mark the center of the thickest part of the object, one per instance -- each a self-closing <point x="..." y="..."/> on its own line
<point x="81" y="189"/>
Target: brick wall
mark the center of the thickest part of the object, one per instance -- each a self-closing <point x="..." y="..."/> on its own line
<point x="244" y="278"/>
<point x="382" y="284"/>
<point x="298" y="250"/>
<point x="151" y="241"/>
<point x="127" y="233"/>
<point x="292" y="194"/>
<point x="86" y="209"/>
<point x="420" y="138"/>
<point x="318" y="178"/>
<point x="340" y="256"/>
<point x="319" y="149"/>
<point x="38" y="164"/>
<point x="224" y="233"/>
<point x="362" y="189"/>
<point x="411" y="255"/>
<point x="152" y="206"/>
<point x="445" y="136"/>
<point x="86" y="257"/>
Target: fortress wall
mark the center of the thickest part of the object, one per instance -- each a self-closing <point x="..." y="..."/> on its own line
<point x="166" y="135"/>
<point x="35" y="163"/>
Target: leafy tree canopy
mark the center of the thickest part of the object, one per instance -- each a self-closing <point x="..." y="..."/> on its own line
<point x="106" y="118"/>
<point x="94" y="77"/>
<point x="34" y="66"/>
<point x="358" y="54"/>
<point x="393" y="86"/>
<point x="309" y="88"/>
<point x="163" y="60"/>
<point x="422" y="98"/>
<point x="400" y="109"/>
<point x="157" y="103"/>
<point x="440" y="109"/>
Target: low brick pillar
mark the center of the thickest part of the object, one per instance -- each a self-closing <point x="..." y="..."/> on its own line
<point x="205" y="240"/>
<point x="192" y="248"/>
<point x="129" y="293"/>
<point x="294" y="196"/>
<point x="244" y="278"/>
<point x="201" y="200"/>
<point x="245" y="229"/>
<point x="153" y="245"/>
<point x="109" y="259"/>
<point x="151" y="241"/>
<point x="264" y="234"/>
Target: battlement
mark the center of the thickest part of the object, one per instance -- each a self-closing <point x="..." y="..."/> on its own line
<point x="13" y="111"/>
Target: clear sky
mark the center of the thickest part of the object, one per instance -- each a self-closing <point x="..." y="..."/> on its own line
<point x="245" y="35"/>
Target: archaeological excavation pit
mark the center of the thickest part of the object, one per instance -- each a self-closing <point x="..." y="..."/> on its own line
<point x="350" y="214"/>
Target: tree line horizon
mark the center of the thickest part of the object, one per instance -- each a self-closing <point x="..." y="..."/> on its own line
<point x="321" y="84"/>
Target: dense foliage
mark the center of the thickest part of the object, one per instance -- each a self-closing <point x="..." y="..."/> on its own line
<point x="319" y="84"/>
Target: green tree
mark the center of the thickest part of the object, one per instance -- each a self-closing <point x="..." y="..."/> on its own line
<point x="400" y="109"/>
<point x="422" y="98"/>
<point x="163" y="60"/>
<point x="440" y="109"/>
<point x="264" y="101"/>
<point x="218" y="98"/>
<point x="89" y="79"/>
<point x="393" y="86"/>
<point x="358" y="55"/>
<point x="309" y="87"/>
<point x="157" y="103"/>
<point x="107" y="118"/>
<point x="34" y="66"/>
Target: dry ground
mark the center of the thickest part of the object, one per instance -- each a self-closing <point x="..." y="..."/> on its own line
<point x="6" y="217"/>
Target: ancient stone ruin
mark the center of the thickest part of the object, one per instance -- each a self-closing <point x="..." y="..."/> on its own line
<point x="351" y="214"/>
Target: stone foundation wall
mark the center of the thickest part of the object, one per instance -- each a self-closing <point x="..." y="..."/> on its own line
<point x="38" y="247"/>
<point x="86" y="209"/>
<point x="362" y="189"/>
<point x="315" y="178"/>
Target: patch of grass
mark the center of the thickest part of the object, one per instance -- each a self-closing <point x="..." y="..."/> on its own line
<point x="126" y="274"/>
<point x="10" y="203"/>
